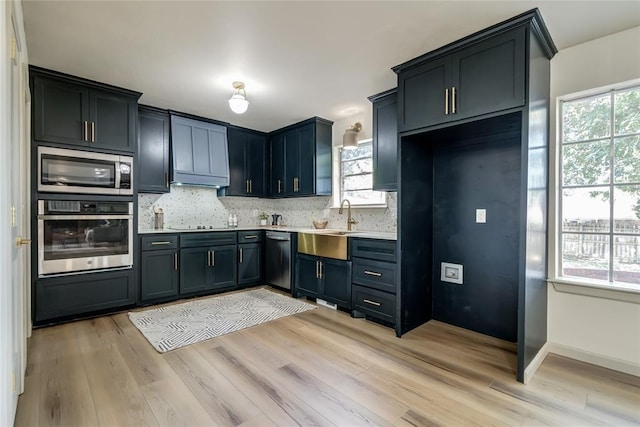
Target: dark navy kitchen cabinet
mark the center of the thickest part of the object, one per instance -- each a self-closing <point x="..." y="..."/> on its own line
<point x="489" y="152"/>
<point x="200" y="152"/>
<point x="385" y="140"/>
<point x="482" y="77"/>
<point x="207" y="262"/>
<point x="247" y="160"/>
<point x="79" y="295"/>
<point x="250" y="257"/>
<point x="159" y="266"/>
<point x="153" y="150"/>
<point x="324" y="278"/>
<point x="71" y="110"/>
<point x="300" y="159"/>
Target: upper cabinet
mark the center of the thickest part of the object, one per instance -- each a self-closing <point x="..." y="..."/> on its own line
<point x="385" y="140"/>
<point x="70" y="110"/>
<point x="200" y="153"/>
<point x="247" y="161"/>
<point x="301" y="159"/>
<point x="457" y="82"/>
<point x="153" y="150"/>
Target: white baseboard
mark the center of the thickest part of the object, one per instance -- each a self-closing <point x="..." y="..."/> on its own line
<point x="536" y="362"/>
<point x="324" y="303"/>
<point x="594" y="358"/>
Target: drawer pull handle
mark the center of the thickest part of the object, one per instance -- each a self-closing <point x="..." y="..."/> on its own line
<point x="372" y="273"/>
<point x="368" y="301"/>
<point x="251" y="237"/>
<point x="160" y="243"/>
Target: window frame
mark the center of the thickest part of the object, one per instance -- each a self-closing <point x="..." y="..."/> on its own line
<point x="572" y="281"/>
<point x="338" y="182"/>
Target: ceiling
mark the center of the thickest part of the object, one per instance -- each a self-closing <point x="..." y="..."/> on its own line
<point x="298" y="59"/>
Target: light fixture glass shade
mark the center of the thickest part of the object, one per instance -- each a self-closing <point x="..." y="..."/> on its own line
<point x="350" y="137"/>
<point x="238" y="101"/>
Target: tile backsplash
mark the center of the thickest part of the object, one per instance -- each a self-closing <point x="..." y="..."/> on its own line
<point x="188" y="206"/>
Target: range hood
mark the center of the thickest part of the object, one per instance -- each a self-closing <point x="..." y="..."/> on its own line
<point x="200" y="153"/>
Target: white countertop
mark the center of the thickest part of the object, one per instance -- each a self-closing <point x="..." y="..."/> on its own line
<point x="354" y="233"/>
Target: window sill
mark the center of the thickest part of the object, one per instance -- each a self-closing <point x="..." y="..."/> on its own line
<point x="625" y="292"/>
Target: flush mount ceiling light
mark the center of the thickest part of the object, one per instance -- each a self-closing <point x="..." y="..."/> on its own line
<point x="238" y="101"/>
<point x="350" y="137"/>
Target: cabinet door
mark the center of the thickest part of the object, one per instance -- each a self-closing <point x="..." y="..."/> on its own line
<point x="306" y="161"/>
<point x="255" y="164"/>
<point x="385" y="143"/>
<point x="60" y="111"/>
<point x="307" y="279"/>
<point x="489" y="76"/>
<point x="336" y="281"/>
<point x="194" y="270"/>
<point x="112" y="118"/>
<point x="249" y="263"/>
<point x="292" y="162"/>
<point x="153" y="159"/>
<point x="238" y="185"/>
<point x="158" y="275"/>
<point x="224" y="262"/>
<point x="422" y="95"/>
<point x="277" y="165"/>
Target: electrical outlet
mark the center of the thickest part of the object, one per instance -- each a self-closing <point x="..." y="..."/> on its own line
<point x="481" y="216"/>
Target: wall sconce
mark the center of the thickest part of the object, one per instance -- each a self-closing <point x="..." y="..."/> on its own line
<point x="238" y="101"/>
<point x="350" y="137"/>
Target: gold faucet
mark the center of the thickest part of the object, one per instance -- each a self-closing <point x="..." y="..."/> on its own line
<point x="350" y="220"/>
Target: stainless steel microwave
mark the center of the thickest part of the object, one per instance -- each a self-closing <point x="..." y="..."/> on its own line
<point x="73" y="171"/>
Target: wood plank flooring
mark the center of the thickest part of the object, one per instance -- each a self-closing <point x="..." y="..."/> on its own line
<point x="320" y="367"/>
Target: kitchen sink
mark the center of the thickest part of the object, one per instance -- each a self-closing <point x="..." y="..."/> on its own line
<point x="329" y="244"/>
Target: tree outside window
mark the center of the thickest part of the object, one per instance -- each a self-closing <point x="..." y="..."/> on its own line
<point x="356" y="177"/>
<point x="600" y="170"/>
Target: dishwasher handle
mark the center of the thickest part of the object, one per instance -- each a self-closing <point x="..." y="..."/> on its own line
<point x="276" y="237"/>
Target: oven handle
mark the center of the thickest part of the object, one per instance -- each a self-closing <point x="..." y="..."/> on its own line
<point x="83" y="217"/>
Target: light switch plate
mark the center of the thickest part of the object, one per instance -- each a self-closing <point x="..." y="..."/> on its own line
<point x="481" y="216"/>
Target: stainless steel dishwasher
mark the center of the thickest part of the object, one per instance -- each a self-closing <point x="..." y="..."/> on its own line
<point x="278" y="259"/>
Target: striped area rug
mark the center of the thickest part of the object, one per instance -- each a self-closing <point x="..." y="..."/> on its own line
<point x="175" y="326"/>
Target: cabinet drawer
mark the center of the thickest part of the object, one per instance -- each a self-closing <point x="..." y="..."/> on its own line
<point x="382" y="250"/>
<point x="374" y="303"/>
<point x="193" y="240"/>
<point x="158" y="242"/>
<point x="253" y="236"/>
<point x="375" y="274"/>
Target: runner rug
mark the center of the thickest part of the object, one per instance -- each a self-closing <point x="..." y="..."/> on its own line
<point x="175" y="326"/>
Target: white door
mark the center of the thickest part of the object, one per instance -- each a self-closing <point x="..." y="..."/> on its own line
<point x="18" y="227"/>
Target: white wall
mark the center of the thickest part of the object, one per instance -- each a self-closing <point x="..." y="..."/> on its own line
<point x="592" y="329"/>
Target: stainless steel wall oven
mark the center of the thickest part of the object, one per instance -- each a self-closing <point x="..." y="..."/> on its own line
<point x="77" y="236"/>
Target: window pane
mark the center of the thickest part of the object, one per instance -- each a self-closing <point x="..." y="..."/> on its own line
<point x="586" y="163"/>
<point x="364" y="197"/>
<point x="626" y="209"/>
<point x="357" y="182"/>
<point x="627" y="112"/>
<point x="627" y="160"/>
<point x="586" y="118"/>
<point x="363" y="150"/>
<point x="585" y="255"/>
<point x="586" y="209"/>
<point x="626" y="259"/>
<point x="357" y="166"/>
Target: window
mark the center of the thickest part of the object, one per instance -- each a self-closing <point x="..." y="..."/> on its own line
<point x="356" y="177"/>
<point x="600" y="186"/>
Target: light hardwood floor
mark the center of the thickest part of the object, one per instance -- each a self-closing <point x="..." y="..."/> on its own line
<point x="320" y="367"/>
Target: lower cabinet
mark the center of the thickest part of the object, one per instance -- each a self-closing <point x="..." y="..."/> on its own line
<point x="207" y="268"/>
<point x="82" y="294"/>
<point x="249" y="264"/>
<point x="374" y="279"/>
<point x="158" y="268"/>
<point x="324" y="278"/>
